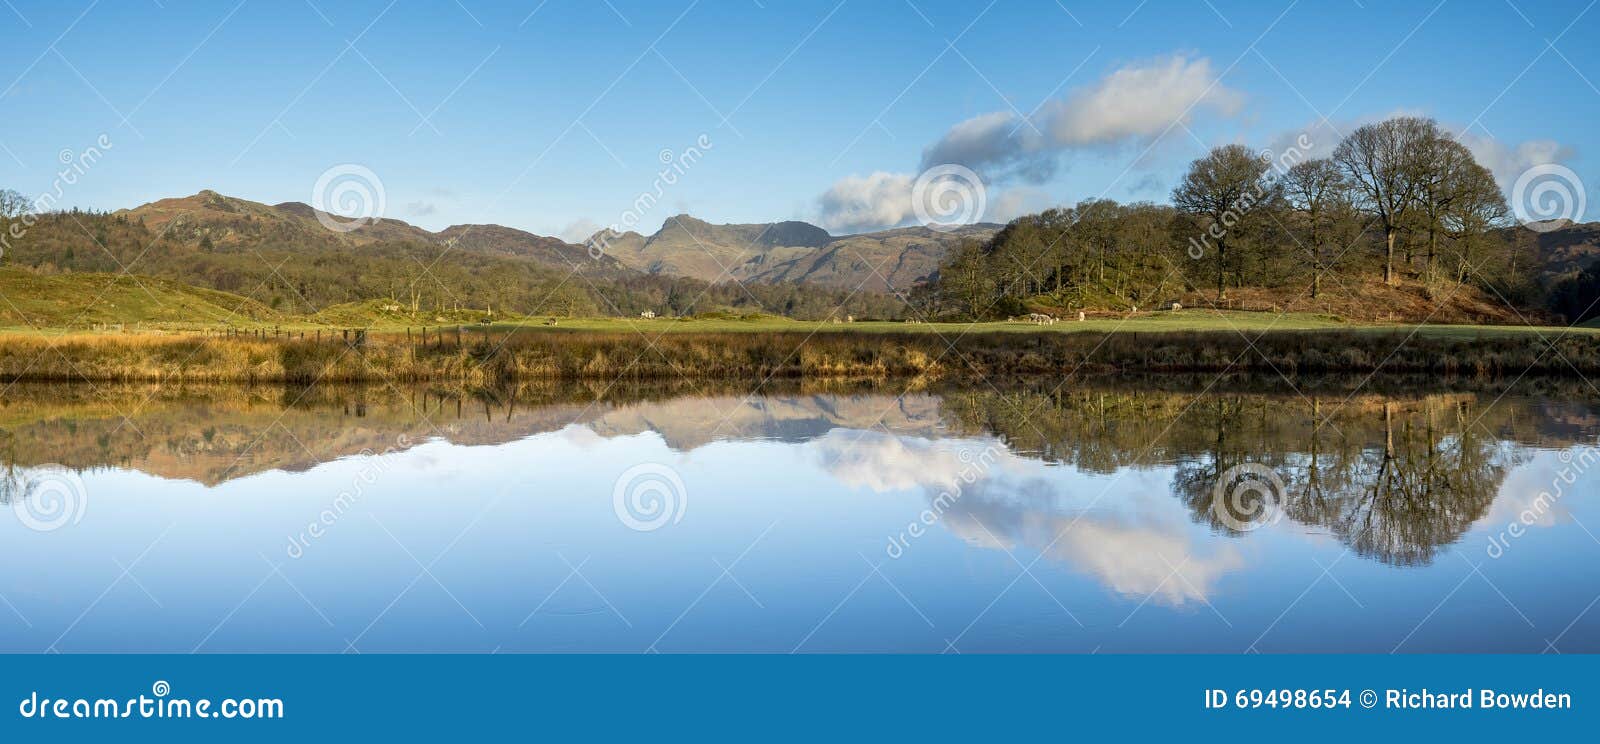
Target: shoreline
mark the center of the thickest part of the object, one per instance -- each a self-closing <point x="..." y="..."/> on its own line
<point x="486" y="358"/>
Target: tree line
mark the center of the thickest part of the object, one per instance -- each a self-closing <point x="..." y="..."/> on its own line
<point x="1399" y="201"/>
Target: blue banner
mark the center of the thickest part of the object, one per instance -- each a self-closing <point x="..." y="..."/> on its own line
<point x="973" y="698"/>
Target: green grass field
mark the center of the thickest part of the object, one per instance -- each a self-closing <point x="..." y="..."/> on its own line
<point x="1193" y="320"/>
<point x="70" y="304"/>
<point x="34" y="302"/>
<point x="1196" y="321"/>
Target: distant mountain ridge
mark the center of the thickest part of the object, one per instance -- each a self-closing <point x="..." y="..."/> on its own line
<point x="771" y="253"/>
<point x="1564" y="249"/>
<point x="232" y="222"/>
<point x="791" y="251"/>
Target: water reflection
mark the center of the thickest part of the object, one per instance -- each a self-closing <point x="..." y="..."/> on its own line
<point x="1099" y="500"/>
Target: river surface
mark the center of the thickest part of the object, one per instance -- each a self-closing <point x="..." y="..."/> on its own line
<point x="1029" y="516"/>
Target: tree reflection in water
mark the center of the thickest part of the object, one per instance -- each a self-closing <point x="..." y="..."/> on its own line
<point x="1393" y="476"/>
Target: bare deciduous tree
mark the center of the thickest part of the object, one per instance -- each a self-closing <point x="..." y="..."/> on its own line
<point x="1317" y="195"/>
<point x="1224" y="188"/>
<point x="1385" y="162"/>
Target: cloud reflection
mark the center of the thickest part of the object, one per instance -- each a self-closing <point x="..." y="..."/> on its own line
<point x="1146" y="547"/>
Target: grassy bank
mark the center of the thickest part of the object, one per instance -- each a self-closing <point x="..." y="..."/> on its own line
<point x="487" y="356"/>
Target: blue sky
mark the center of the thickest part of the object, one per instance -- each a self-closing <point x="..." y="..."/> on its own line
<point x="551" y="115"/>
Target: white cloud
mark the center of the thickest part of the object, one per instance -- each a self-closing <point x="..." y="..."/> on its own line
<point x="579" y="230"/>
<point x="1006" y="205"/>
<point x="1137" y="551"/>
<point x="1131" y="105"/>
<point x="857" y="203"/>
<point x="884" y="462"/>
<point x="1134" y="104"/>
<point x="1507" y="162"/>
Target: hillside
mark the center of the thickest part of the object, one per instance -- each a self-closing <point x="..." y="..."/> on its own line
<point x="507" y="241"/>
<point x="887" y="261"/>
<point x="1566" y="250"/>
<point x="283" y="257"/>
<point x="227" y="223"/>
<point x="787" y="252"/>
<point x="292" y="264"/>
<point x="84" y="300"/>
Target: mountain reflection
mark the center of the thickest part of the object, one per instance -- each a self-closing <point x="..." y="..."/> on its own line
<point x="1393" y="477"/>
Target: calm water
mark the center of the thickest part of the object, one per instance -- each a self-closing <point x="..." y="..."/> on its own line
<point x="1010" y="518"/>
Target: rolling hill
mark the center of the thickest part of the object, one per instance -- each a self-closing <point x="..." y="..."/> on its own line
<point x="767" y="253"/>
<point x="285" y="258"/>
<point x="33" y="300"/>
<point x="1566" y="250"/>
<point x="223" y="223"/>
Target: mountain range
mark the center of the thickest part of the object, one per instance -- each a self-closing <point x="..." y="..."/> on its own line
<point x="884" y="261"/>
<point x="227" y="222"/>
<point x="767" y="253"/>
<point x="280" y="259"/>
